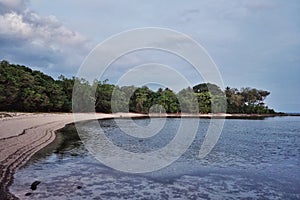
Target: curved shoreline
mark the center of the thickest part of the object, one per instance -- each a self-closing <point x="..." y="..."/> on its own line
<point x="25" y="134"/>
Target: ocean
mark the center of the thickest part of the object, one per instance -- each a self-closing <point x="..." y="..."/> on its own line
<point x="253" y="159"/>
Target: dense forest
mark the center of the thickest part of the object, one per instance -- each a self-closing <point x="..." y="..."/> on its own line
<point x="24" y="89"/>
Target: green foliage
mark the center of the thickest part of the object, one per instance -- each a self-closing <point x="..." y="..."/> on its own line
<point x="208" y="87"/>
<point x="22" y="89"/>
<point x="103" y="97"/>
<point x="83" y="98"/>
<point x="188" y="101"/>
<point x="167" y="98"/>
<point x="247" y="100"/>
<point x="204" y="100"/>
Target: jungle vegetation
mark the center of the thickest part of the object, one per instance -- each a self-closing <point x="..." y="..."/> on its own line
<point x="26" y="90"/>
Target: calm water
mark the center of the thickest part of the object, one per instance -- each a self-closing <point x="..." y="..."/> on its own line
<point x="254" y="159"/>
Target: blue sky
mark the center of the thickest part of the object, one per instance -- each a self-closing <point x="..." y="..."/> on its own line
<point x="254" y="43"/>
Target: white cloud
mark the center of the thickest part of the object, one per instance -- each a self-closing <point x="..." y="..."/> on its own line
<point x="13" y="25"/>
<point x="27" y="30"/>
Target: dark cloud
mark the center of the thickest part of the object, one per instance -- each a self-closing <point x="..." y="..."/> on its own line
<point x="12" y="5"/>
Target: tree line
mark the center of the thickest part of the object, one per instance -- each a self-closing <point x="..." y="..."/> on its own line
<point x="27" y="90"/>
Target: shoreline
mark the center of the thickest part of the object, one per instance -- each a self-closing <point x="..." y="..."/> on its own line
<point x="220" y="115"/>
<point x="24" y="134"/>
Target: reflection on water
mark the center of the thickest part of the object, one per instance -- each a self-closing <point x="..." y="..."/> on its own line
<point x="67" y="143"/>
<point x="256" y="159"/>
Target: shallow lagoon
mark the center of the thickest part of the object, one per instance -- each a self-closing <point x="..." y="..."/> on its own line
<point x="256" y="159"/>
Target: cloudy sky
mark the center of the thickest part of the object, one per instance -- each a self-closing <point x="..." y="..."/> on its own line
<point x="254" y="43"/>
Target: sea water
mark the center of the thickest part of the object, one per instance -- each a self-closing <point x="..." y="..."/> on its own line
<point x="253" y="159"/>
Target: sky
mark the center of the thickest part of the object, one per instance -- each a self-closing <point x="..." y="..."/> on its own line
<point x="254" y="43"/>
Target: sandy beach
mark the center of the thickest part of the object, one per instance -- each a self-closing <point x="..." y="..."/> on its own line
<point x="23" y="134"/>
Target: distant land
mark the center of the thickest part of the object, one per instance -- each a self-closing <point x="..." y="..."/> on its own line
<point x="293" y="114"/>
<point x="25" y="90"/>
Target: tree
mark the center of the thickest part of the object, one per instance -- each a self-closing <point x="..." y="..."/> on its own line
<point x="208" y="87"/>
<point x="141" y="100"/>
<point x="247" y="100"/>
<point x="204" y="99"/>
<point x="188" y="101"/>
<point x="24" y="89"/>
<point x="67" y="87"/>
<point x="103" y="97"/>
<point x="83" y="98"/>
<point x="119" y="101"/>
